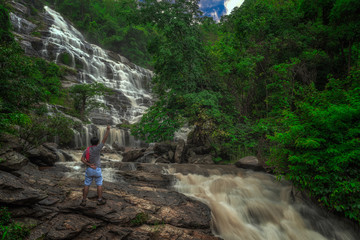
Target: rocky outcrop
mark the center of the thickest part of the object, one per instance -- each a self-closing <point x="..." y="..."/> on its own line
<point x="139" y="206"/>
<point x="42" y="156"/>
<point x="118" y="147"/>
<point x="201" y="159"/>
<point x="12" y="161"/>
<point x="16" y="191"/>
<point x="250" y="162"/>
<point x="133" y="154"/>
<point x="170" y="152"/>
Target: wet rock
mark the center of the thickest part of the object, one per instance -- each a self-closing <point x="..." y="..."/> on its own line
<point x="19" y="7"/>
<point x="42" y="156"/>
<point x="149" y="157"/>
<point x="12" y="161"/>
<point x="21" y="25"/>
<point x="201" y="150"/>
<point x="51" y="146"/>
<point x="179" y="152"/>
<point x="164" y="147"/>
<point x="201" y="159"/>
<point x="118" y="147"/>
<point x="101" y="119"/>
<point x="250" y="162"/>
<point x="15" y="191"/>
<point x="162" y="159"/>
<point x="171" y="156"/>
<point x="133" y="155"/>
<point x="68" y="157"/>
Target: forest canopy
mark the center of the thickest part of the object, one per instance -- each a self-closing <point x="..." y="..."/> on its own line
<point x="279" y="79"/>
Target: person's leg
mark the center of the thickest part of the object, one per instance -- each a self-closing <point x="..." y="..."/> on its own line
<point x="85" y="192"/>
<point x="99" y="182"/>
<point x="99" y="192"/>
<point x="87" y="183"/>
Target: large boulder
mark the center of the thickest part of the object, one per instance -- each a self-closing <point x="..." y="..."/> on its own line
<point x="118" y="147"/>
<point x="179" y="152"/>
<point x="15" y="191"/>
<point x="12" y="161"/>
<point x="133" y="155"/>
<point x="250" y="162"/>
<point x="42" y="156"/>
<point x="201" y="159"/>
<point x="164" y="147"/>
<point x="67" y="156"/>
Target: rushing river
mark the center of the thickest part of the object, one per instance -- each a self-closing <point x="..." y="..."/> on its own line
<point x="254" y="206"/>
<point x="245" y="205"/>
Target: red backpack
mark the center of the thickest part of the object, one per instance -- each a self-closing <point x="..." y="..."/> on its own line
<point x="87" y="154"/>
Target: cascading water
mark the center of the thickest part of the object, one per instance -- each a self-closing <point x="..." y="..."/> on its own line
<point x="119" y="136"/>
<point x="64" y="44"/>
<point x="129" y="81"/>
<point x="254" y="206"/>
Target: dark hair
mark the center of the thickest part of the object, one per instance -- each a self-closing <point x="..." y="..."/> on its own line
<point x="94" y="141"/>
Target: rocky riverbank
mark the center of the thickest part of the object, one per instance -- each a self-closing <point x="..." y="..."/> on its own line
<point x="140" y="204"/>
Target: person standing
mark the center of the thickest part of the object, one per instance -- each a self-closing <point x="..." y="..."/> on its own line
<point x="91" y="158"/>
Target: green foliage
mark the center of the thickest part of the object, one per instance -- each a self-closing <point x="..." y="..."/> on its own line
<point x="25" y="81"/>
<point x="318" y="145"/>
<point x="139" y="219"/>
<point x="5" y="216"/>
<point x="111" y="24"/>
<point x="5" y="25"/>
<point x="10" y="230"/>
<point x="84" y="96"/>
<point x="177" y="51"/>
<point x="65" y="58"/>
<point x="39" y="129"/>
<point x="158" y="124"/>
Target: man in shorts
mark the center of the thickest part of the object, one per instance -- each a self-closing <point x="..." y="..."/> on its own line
<point x="91" y="158"/>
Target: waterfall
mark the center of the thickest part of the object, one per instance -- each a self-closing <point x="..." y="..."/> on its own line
<point x="254" y="206"/>
<point x="66" y="45"/>
<point x="120" y="136"/>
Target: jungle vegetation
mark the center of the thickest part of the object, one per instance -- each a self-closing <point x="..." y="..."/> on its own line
<point x="279" y="79"/>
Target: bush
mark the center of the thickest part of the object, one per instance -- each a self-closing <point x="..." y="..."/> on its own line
<point x="318" y="147"/>
<point x="10" y="230"/>
<point x="44" y="128"/>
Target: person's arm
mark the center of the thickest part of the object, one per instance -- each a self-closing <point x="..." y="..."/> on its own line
<point x="106" y="134"/>
<point x="87" y="163"/>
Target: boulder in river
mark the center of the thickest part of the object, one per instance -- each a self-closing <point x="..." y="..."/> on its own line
<point x="201" y="159"/>
<point x="250" y="162"/>
<point x="133" y="154"/>
<point x="118" y="147"/>
<point x="179" y="152"/>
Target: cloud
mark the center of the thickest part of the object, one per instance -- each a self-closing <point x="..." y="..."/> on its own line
<point x="231" y="4"/>
<point x="215" y="16"/>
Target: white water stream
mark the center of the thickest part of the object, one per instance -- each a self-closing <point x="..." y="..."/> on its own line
<point x="254" y="206"/>
<point x="130" y="82"/>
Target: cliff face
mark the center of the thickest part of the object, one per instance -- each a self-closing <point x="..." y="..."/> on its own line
<point x="42" y="32"/>
<point x="48" y="35"/>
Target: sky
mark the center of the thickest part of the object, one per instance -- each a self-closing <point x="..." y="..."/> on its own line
<point x="217" y="8"/>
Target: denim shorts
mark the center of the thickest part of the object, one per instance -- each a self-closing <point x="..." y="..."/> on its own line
<point x="93" y="174"/>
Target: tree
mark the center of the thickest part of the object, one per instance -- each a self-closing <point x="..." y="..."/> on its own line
<point x="317" y="145"/>
<point x="84" y="96"/>
<point x="345" y="19"/>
